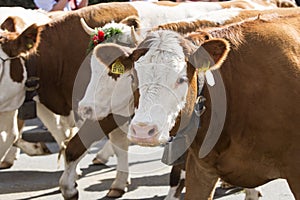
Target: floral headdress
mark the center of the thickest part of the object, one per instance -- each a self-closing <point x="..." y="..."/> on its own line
<point x="102" y="34"/>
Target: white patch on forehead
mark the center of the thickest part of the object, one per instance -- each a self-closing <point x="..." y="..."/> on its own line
<point x="164" y="57"/>
<point x="164" y="49"/>
<point x="153" y="15"/>
<point x="158" y="71"/>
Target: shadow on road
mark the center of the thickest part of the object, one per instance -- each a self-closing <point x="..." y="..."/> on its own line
<point x="26" y="181"/>
<point x="150" y="198"/>
<point x="30" y="181"/>
<point x="160" y="180"/>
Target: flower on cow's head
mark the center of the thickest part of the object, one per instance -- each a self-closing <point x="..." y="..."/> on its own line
<point x="101" y="35"/>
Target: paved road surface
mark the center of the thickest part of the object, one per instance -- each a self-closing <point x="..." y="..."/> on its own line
<point x="37" y="178"/>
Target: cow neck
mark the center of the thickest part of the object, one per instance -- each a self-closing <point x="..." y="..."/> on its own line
<point x="32" y="81"/>
<point x="185" y="136"/>
<point x="3" y="60"/>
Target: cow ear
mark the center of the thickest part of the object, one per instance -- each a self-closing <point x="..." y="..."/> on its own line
<point x="116" y="57"/>
<point x="13" y="24"/>
<point x="210" y="55"/>
<point x="29" y="39"/>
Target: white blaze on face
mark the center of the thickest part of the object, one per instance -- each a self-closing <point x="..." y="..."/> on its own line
<point x="12" y="93"/>
<point x="105" y="95"/>
<point x="163" y="88"/>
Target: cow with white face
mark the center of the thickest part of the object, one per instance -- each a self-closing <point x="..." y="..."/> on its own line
<point x="102" y="96"/>
<point x="226" y="138"/>
<point x="164" y="83"/>
<point x="97" y="105"/>
<point x="12" y="80"/>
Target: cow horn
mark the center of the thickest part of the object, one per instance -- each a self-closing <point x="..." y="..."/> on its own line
<point x="86" y="28"/>
<point x="134" y="36"/>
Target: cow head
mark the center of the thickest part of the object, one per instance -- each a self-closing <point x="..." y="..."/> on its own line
<point x="14" y="46"/>
<point x="112" y="79"/>
<point x="164" y="77"/>
<point x="110" y="88"/>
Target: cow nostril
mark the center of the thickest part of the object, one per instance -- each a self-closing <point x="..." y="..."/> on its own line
<point x="88" y="110"/>
<point x="152" y="131"/>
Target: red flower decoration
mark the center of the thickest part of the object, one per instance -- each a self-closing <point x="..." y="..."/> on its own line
<point x="95" y="39"/>
<point x="101" y="35"/>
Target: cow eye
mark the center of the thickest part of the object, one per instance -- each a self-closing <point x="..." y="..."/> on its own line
<point x="182" y="79"/>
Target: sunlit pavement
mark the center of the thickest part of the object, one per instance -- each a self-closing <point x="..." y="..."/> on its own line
<point x="37" y="178"/>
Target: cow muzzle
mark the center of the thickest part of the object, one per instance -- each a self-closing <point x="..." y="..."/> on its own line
<point x="144" y="134"/>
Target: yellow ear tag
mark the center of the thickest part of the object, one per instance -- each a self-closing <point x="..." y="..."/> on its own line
<point x="117" y="68"/>
<point x="208" y="74"/>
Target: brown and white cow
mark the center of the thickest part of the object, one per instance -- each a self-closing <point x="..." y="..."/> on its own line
<point x="16" y="19"/>
<point x="64" y="43"/>
<point x="13" y="75"/>
<point x="255" y="92"/>
<point x="117" y="85"/>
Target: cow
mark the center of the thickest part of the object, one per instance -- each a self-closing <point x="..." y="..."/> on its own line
<point x="103" y="92"/>
<point x="57" y="66"/>
<point x="21" y="20"/>
<point x="16" y="19"/>
<point x="13" y="75"/>
<point x="263" y="130"/>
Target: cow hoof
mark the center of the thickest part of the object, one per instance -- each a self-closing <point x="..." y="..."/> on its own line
<point x="5" y="165"/>
<point x="69" y="193"/>
<point x="97" y="161"/>
<point x="71" y="196"/>
<point x="74" y="197"/>
<point x="115" y="193"/>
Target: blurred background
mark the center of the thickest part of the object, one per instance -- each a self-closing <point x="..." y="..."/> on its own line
<point x="30" y="4"/>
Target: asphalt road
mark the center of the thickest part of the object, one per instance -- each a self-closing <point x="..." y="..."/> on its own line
<point x="37" y="178"/>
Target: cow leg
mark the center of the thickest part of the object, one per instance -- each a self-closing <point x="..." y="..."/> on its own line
<point x="200" y="183"/>
<point x="177" y="182"/>
<point x="252" y="193"/>
<point x="120" y="145"/>
<point x="13" y="152"/>
<point x="103" y="155"/>
<point x="10" y="158"/>
<point x="60" y="127"/>
<point x="74" y="151"/>
<point x="8" y="132"/>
